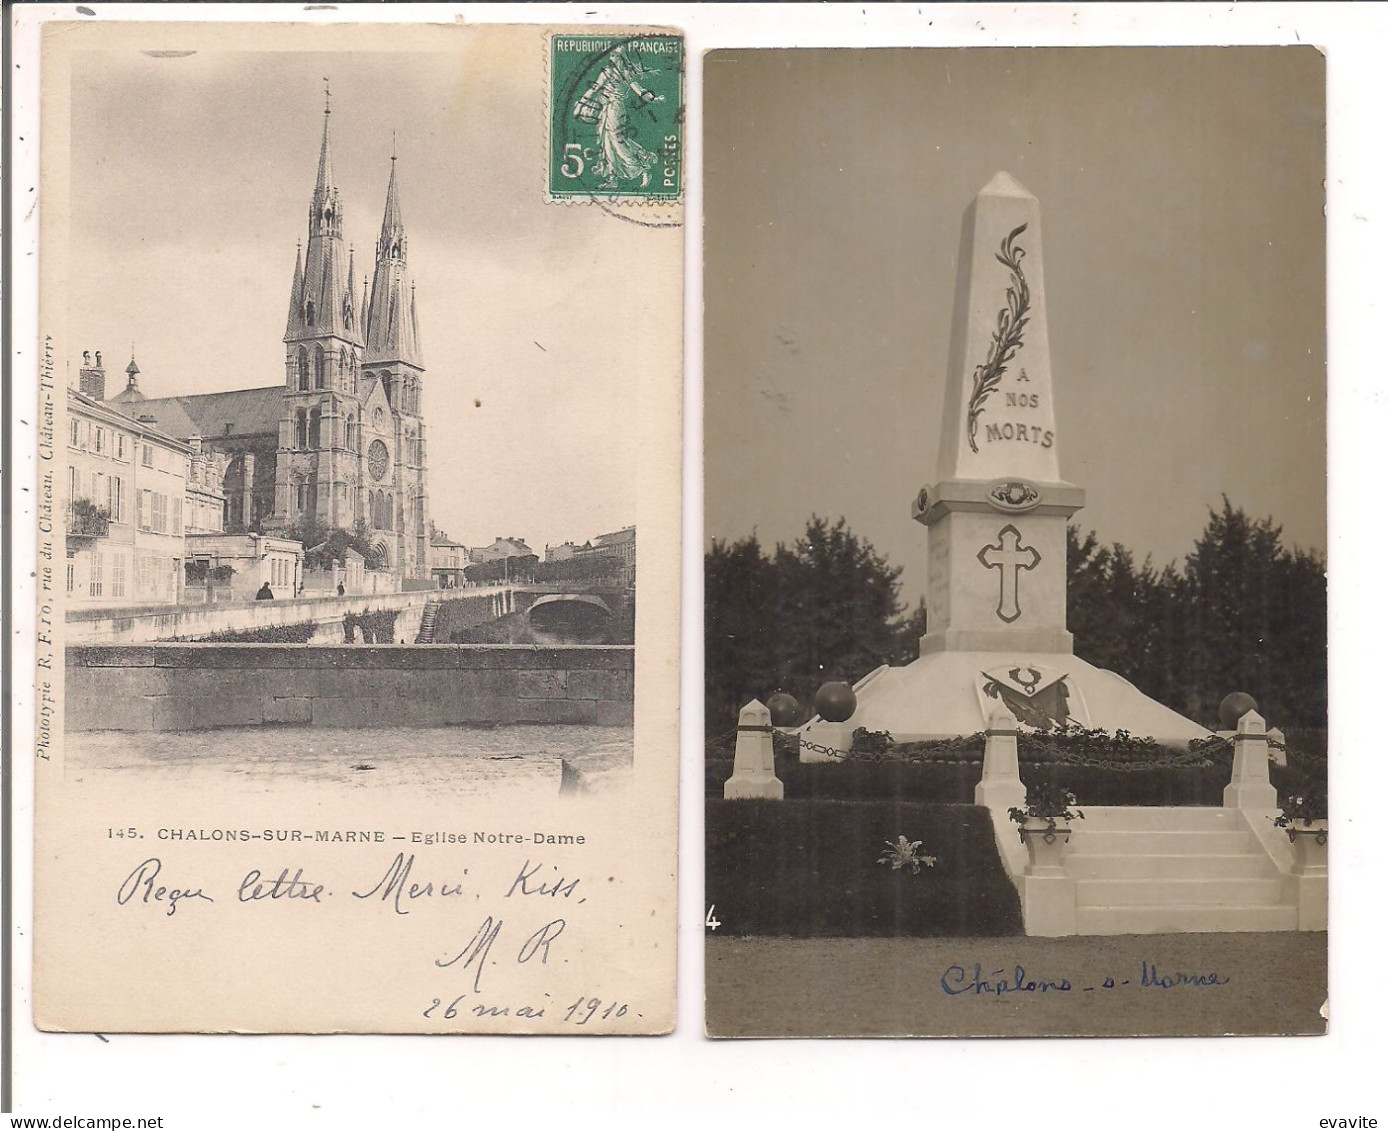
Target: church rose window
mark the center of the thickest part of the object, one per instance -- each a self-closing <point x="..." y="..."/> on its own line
<point x="377" y="457"/>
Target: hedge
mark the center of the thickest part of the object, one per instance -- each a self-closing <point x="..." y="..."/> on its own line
<point x="299" y="633"/>
<point x="953" y="783"/>
<point x="808" y="869"/>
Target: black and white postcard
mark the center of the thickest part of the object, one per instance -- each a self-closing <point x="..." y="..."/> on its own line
<point x="359" y="513"/>
<point x="1015" y="591"/>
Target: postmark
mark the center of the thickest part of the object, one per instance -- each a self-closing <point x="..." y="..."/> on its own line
<point x="616" y="118"/>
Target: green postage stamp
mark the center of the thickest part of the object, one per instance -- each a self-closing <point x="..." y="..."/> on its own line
<point x="616" y="117"/>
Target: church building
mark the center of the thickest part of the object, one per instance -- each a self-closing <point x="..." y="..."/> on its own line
<point x="340" y="440"/>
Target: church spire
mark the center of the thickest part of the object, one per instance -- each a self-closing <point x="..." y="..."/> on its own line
<point x="296" y="293"/>
<point x="392" y="332"/>
<point x="392" y="240"/>
<point x="349" y="313"/>
<point x="320" y="303"/>
<point x="324" y="186"/>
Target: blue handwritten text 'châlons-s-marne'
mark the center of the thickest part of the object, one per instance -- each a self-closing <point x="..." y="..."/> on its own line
<point x="958" y="980"/>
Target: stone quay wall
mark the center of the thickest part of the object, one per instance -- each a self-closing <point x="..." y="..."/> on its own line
<point x="172" y="687"/>
<point x="150" y="623"/>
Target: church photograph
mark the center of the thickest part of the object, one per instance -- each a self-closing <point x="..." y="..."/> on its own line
<point x="322" y="342"/>
<point x="1015" y="657"/>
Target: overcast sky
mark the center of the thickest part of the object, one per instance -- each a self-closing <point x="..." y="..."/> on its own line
<point x="191" y="182"/>
<point x="1181" y="204"/>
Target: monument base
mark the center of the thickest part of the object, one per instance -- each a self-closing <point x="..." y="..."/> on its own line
<point x="1040" y="640"/>
<point x="946" y="694"/>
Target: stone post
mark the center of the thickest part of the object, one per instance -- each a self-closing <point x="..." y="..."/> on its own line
<point x="754" y="761"/>
<point x="1001" y="785"/>
<point x="1250" y="786"/>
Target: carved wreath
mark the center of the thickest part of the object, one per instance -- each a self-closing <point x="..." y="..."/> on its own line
<point x="1007" y="338"/>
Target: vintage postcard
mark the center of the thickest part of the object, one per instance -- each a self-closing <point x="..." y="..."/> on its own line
<point x="360" y="526"/>
<point x="1015" y="589"/>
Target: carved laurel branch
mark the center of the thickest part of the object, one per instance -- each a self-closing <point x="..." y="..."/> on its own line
<point x="1007" y="338"/>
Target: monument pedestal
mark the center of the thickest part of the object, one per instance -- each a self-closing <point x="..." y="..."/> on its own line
<point x="946" y="693"/>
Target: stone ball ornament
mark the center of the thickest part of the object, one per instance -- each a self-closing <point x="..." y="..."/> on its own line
<point x="1233" y="707"/>
<point x="835" y="702"/>
<point x="784" y="708"/>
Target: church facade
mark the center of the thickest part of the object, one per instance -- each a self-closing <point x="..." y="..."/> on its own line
<point x="341" y="440"/>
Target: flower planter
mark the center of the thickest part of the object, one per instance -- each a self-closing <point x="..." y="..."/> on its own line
<point x="1310" y="847"/>
<point x="1046" y="847"/>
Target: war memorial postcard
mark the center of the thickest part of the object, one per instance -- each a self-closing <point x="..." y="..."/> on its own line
<point x="1015" y="589"/>
<point x="359" y="537"/>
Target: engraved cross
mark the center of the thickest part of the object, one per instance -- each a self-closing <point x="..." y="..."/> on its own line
<point x="1009" y="557"/>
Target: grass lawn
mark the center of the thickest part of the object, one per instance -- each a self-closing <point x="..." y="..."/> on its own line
<point x="810" y="868"/>
<point x="1273" y="983"/>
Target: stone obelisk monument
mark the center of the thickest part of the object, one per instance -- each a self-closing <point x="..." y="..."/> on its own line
<point x="996" y="516"/>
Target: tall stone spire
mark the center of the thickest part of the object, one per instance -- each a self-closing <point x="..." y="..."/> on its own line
<point x="322" y="306"/>
<point x="392" y="330"/>
<point x="349" y="310"/>
<point x="999" y="413"/>
<point x="998" y="508"/>
<point x="296" y="294"/>
<point x="325" y="187"/>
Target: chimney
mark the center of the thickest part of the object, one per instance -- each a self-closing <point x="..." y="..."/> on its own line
<point x="91" y="379"/>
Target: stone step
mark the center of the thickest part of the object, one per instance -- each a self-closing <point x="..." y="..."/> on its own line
<point x="1130" y="919"/>
<point x="1152" y="843"/>
<point x="1096" y="866"/>
<point x="1178" y="892"/>
<point x="1129" y="818"/>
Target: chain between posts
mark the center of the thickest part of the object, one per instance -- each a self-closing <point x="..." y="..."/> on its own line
<point x="1188" y="760"/>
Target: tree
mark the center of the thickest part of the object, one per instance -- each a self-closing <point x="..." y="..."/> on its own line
<point x="821" y="609"/>
<point x="1244" y="614"/>
<point x="324" y="545"/>
<point x="1256" y="620"/>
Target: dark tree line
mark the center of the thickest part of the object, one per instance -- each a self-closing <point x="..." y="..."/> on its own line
<point x="825" y="608"/>
<point x="1243" y="613"/>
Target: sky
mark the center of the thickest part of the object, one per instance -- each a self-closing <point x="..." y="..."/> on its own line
<point x="191" y="181"/>
<point x="1181" y="195"/>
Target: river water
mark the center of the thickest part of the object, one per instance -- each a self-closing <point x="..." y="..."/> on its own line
<point x="458" y="760"/>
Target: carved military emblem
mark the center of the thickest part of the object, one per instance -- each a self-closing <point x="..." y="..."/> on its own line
<point x="1013" y="495"/>
<point x="1038" y="697"/>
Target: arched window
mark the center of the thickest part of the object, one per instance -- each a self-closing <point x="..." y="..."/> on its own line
<point x="303" y="370"/>
<point x="300" y="495"/>
<point x="351" y="444"/>
<point x="320" y="369"/>
<point x="308" y="312"/>
<point x="315" y="427"/>
<point x="390" y="512"/>
<point x="300" y="429"/>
